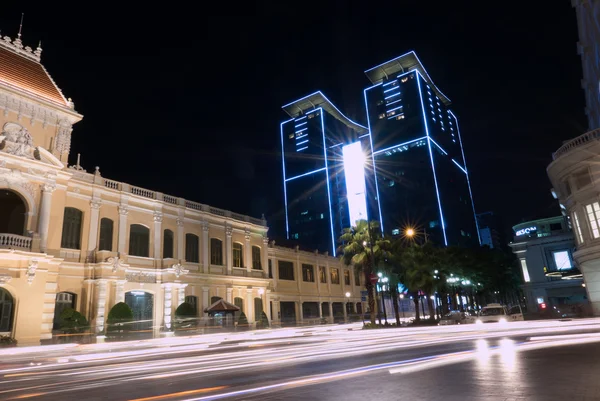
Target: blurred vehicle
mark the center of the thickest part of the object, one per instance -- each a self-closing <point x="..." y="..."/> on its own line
<point x="497" y="313"/>
<point x="457" y="317"/>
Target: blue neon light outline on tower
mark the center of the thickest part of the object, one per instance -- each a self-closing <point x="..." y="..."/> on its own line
<point x="467" y="173"/>
<point x="354" y="173"/>
<point x="287" y="224"/>
<point x="373" y="157"/>
<point x="437" y="191"/>
<point x="327" y="179"/>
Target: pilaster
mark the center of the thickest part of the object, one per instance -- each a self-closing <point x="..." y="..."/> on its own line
<point x="44" y="219"/>
<point x="123" y="211"/>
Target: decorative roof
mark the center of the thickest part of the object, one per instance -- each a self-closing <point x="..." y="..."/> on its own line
<point x="405" y="63"/>
<point x="221" y="306"/>
<point x="20" y="68"/>
<point x="316" y="100"/>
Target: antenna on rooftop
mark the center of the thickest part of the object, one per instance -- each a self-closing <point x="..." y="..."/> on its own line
<point x="21" y="26"/>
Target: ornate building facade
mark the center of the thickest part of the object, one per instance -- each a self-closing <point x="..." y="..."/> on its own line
<point x="71" y="238"/>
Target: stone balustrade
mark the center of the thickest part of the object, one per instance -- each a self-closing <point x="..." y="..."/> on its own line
<point x="173" y="200"/>
<point x="14" y="241"/>
<point x="576" y="142"/>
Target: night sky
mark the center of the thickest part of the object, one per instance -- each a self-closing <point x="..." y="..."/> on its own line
<point x="188" y="103"/>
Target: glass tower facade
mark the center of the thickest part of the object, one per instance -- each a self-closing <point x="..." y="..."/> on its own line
<point x="406" y="168"/>
<point x="323" y="162"/>
<point x="421" y="169"/>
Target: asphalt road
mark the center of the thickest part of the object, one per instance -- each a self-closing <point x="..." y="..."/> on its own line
<point x="517" y="361"/>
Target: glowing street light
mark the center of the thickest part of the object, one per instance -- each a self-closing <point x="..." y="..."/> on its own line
<point x="410" y="232"/>
<point x="348" y="295"/>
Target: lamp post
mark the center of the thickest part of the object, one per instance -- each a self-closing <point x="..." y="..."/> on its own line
<point x="346" y="305"/>
<point x="402" y="303"/>
<point x="383" y="280"/>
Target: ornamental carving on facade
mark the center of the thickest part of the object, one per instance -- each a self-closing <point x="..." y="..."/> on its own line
<point x="63" y="138"/>
<point x="179" y="270"/>
<point x="31" y="269"/>
<point x="115" y="262"/>
<point x="16" y="140"/>
<point x="15" y="177"/>
<point x="5" y="278"/>
<point x="140" y="277"/>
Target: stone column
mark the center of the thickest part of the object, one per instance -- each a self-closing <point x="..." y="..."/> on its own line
<point x="330" y="311"/>
<point x="228" y="249"/>
<point x="93" y="233"/>
<point x="320" y="309"/>
<point x="299" y="314"/>
<point x="167" y="305"/>
<point x="205" y="299"/>
<point x="247" y="252"/>
<point x="276" y="311"/>
<point x="180" y="240"/>
<point x="158" y="218"/>
<point x="250" y="305"/>
<point x="345" y="311"/>
<point x="119" y="291"/>
<point x="123" y="210"/>
<point x="264" y="254"/>
<point x="229" y="296"/>
<point x="100" y="304"/>
<point x="44" y="219"/>
<point x="205" y="247"/>
<point x="181" y="295"/>
<point x="267" y="307"/>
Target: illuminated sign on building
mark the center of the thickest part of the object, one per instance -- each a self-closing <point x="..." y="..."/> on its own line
<point x="354" y="169"/>
<point x="526" y="231"/>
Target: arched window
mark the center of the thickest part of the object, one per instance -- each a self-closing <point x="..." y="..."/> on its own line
<point x="238" y="250"/>
<point x="106" y="235"/>
<point x="214" y="299"/>
<point x="167" y="244"/>
<point x="12" y="213"/>
<point x="239" y="302"/>
<point x="258" y="308"/>
<point x="256" y="264"/>
<point x="191" y="248"/>
<point x="216" y="252"/>
<point x="139" y="240"/>
<point x="192" y="300"/>
<point x="6" y="310"/>
<point x="71" y="232"/>
<point x="63" y="301"/>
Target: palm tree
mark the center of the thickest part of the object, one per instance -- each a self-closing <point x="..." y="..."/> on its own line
<point x="420" y="263"/>
<point x="363" y="247"/>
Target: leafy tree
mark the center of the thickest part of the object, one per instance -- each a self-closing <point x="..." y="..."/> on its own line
<point x="363" y="248"/>
<point x="119" y="314"/>
<point x="185" y="310"/>
<point x="242" y="320"/>
<point x="71" y="321"/>
<point x="264" y="320"/>
<point x="419" y="263"/>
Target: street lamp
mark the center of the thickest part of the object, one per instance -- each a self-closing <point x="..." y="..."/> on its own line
<point x="346" y="305"/>
<point x="402" y="303"/>
<point x="410" y="232"/>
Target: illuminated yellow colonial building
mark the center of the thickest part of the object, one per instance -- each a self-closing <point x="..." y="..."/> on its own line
<point x="72" y="238"/>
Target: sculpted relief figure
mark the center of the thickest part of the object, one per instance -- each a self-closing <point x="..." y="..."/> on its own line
<point x="16" y="140"/>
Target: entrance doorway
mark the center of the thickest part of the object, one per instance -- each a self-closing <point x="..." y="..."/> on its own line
<point x="6" y="311"/>
<point x="142" y="305"/>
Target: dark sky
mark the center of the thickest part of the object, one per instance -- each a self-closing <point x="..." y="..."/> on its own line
<point x="188" y="103"/>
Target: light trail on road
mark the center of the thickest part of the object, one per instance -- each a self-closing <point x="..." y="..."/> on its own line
<point x="148" y="367"/>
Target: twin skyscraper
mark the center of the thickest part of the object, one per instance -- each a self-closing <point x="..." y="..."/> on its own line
<point x="405" y="166"/>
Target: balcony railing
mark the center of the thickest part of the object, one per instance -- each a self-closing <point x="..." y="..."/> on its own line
<point x="14" y="241"/>
<point x="575" y="143"/>
<point x="173" y="200"/>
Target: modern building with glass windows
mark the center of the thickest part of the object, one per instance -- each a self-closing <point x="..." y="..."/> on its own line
<point x="421" y="171"/>
<point x="405" y="167"/>
<point x="326" y="175"/>
<point x="551" y="279"/>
